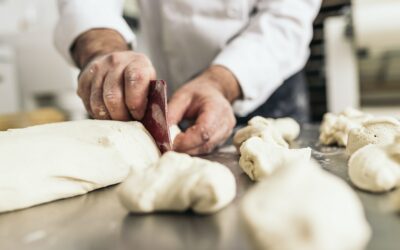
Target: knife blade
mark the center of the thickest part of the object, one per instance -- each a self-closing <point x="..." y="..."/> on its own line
<point x="155" y="117"/>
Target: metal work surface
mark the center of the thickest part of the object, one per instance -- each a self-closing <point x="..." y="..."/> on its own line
<point x="98" y="221"/>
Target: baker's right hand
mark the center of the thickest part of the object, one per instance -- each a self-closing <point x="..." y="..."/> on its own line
<point x="115" y="85"/>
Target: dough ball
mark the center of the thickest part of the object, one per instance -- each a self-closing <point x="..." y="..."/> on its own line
<point x="303" y="207"/>
<point x="335" y="128"/>
<point x="259" y="159"/>
<point x="376" y="168"/>
<point x="378" y="131"/>
<point x="49" y="162"/>
<point x="277" y="131"/>
<point x="287" y="127"/>
<point x="267" y="133"/>
<point x="178" y="182"/>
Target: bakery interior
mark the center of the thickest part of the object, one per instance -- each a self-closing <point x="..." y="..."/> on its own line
<point x="354" y="62"/>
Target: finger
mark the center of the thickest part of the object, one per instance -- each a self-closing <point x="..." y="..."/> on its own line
<point x="96" y="99"/>
<point x="84" y="86"/>
<point x="113" y="95"/>
<point x="200" y="133"/>
<point x="219" y="138"/>
<point x="177" y="107"/>
<point x="136" y="84"/>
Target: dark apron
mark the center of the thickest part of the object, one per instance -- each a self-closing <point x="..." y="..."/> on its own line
<point x="289" y="100"/>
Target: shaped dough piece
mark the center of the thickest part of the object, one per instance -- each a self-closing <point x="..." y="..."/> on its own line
<point x="336" y="127"/>
<point x="287" y="127"/>
<point x="303" y="207"/>
<point x="378" y="131"/>
<point x="276" y="131"/>
<point x="376" y="168"/>
<point x="259" y="159"/>
<point x="48" y="162"/>
<point x="179" y="182"/>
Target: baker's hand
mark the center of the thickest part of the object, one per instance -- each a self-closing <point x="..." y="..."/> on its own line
<point x="115" y="85"/>
<point x="206" y="99"/>
<point x="114" y="80"/>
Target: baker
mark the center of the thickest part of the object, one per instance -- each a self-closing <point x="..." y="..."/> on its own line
<point x="221" y="58"/>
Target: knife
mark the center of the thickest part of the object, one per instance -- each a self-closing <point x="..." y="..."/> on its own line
<point x="155" y="117"/>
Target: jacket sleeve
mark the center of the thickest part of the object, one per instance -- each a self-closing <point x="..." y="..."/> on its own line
<point x="79" y="16"/>
<point x="270" y="49"/>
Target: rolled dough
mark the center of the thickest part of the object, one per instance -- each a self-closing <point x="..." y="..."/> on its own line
<point x="335" y="128"/>
<point x="303" y="207"/>
<point x="276" y="131"/>
<point x="378" y="131"/>
<point x="178" y="182"/>
<point x="48" y="162"/>
<point x="376" y="168"/>
<point x="259" y="159"/>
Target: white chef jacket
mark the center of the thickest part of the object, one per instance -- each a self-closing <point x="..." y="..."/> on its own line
<point x="262" y="42"/>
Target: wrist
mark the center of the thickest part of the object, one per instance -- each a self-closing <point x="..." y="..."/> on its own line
<point x="94" y="43"/>
<point x="224" y="80"/>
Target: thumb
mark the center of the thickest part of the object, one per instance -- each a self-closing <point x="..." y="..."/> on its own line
<point x="177" y="107"/>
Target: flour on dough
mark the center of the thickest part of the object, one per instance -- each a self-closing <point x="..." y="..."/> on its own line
<point x="378" y="131"/>
<point x="178" y="182"/>
<point x="376" y="168"/>
<point x="303" y="207"/>
<point x="335" y="128"/>
<point x="278" y="131"/>
<point x="259" y="159"/>
<point x="49" y="162"/>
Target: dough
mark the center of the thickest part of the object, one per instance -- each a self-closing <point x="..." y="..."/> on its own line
<point x="174" y="130"/>
<point x="287" y="127"/>
<point x="303" y="207"/>
<point x="378" y="131"/>
<point x="276" y="131"/>
<point x="179" y="182"/>
<point x="376" y="168"/>
<point x="48" y="162"/>
<point x="259" y="159"/>
<point x="336" y="127"/>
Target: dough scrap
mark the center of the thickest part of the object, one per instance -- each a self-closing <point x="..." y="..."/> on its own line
<point x="259" y="159"/>
<point x="49" y="162"/>
<point x="277" y="131"/>
<point x="174" y="130"/>
<point x="376" y="168"/>
<point x="303" y="207"/>
<point x="178" y="182"/>
<point x="335" y="128"/>
<point x="378" y="131"/>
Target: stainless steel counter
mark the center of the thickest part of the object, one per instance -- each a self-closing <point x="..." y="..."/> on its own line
<point x="98" y="221"/>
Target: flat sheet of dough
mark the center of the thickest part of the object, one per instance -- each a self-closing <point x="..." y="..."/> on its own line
<point x="49" y="162"/>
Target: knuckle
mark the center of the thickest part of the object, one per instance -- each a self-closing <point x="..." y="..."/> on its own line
<point x="112" y="98"/>
<point x="94" y="67"/>
<point x="133" y="76"/>
<point x="113" y="59"/>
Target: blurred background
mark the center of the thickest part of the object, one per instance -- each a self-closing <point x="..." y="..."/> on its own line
<point x="354" y="61"/>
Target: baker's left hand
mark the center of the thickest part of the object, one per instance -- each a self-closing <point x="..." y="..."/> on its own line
<point x="206" y="99"/>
